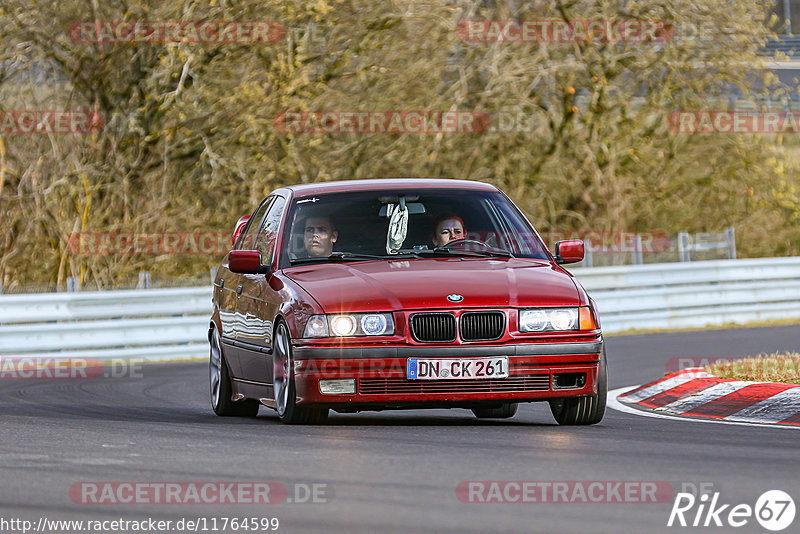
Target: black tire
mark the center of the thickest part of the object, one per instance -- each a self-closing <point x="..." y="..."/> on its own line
<point x="283" y="384"/>
<point x="588" y="410"/>
<point x="220" y="384"/>
<point x="506" y="411"/>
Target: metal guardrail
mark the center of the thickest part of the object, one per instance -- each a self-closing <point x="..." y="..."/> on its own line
<point x="149" y="324"/>
<point x="686" y="295"/>
<point x="164" y="324"/>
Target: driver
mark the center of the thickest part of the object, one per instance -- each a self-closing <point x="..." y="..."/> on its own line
<point x="319" y="235"/>
<point x="448" y="228"/>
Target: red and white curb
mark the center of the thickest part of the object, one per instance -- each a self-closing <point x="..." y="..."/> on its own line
<point x="695" y="393"/>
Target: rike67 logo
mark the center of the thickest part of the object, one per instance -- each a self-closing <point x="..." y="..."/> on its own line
<point x="774" y="510"/>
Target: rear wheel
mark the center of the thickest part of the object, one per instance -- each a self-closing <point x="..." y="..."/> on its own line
<point x="587" y="410"/>
<point x="506" y="411"/>
<point x="220" y="383"/>
<point x="284" y="385"/>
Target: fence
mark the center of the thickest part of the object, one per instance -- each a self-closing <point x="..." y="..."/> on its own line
<point x="161" y="324"/>
<point x="629" y="248"/>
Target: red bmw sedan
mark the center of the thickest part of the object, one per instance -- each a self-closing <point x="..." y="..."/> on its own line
<point x="401" y="294"/>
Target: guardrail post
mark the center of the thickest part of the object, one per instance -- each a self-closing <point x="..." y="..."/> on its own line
<point x="587" y="253"/>
<point x="730" y="235"/>
<point x="72" y="284"/>
<point x="144" y="280"/>
<point x="638" y="259"/>
<point x="683" y="246"/>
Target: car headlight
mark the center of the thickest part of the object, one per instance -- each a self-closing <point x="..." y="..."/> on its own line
<point x="348" y="325"/>
<point x="548" y="319"/>
<point x="317" y="326"/>
<point x="532" y="320"/>
<point x="343" y="325"/>
<point x="374" y="325"/>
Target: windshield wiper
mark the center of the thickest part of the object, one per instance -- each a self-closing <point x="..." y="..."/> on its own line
<point x="339" y="256"/>
<point x="443" y="251"/>
<point x="477" y="253"/>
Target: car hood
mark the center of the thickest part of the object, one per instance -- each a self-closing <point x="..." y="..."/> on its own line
<point x="425" y="283"/>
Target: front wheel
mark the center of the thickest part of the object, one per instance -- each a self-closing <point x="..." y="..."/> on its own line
<point x="220" y="383"/>
<point x="284" y="385"/>
<point x="588" y="410"/>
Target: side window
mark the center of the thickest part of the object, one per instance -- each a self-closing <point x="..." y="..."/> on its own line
<point x="265" y="239"/>
<point x="246" y="239"/>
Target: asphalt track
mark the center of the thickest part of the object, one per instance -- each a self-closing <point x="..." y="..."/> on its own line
<point x="389" y="471"/>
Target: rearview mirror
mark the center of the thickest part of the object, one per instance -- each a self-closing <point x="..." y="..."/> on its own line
<point x="570" y="251"/>
<point x="246" y="262"/>
<point x="414" y="208"/>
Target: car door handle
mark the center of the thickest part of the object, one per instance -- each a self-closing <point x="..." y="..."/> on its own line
<point x="239" y="290"/>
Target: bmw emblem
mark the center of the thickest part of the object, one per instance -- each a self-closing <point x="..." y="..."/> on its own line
<point x="455" y="298"/>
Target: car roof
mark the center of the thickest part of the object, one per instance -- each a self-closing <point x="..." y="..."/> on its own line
<point x="319" y="188"/>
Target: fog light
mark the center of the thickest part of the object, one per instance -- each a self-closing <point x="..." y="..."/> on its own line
<point x="569" y="380"/>
<point x="338" y="386"/>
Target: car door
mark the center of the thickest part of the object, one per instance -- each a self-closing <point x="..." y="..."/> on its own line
<point x="230" y="293"/>
<point x="259" y="302"/>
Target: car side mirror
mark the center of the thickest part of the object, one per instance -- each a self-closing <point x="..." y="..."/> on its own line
<point x="570" y="251"/>
<point x="246" y="262"/>
<point x="240" y="224"/>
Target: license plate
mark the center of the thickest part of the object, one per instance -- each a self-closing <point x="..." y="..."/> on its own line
<point x="457" y="369"/>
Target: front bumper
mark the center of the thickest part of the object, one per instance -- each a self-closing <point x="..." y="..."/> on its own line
<point x="380" y="374"/>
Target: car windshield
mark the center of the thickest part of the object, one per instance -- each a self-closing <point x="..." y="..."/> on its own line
<point x="354" y="226"/>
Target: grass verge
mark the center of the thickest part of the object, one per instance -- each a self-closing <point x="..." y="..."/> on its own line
<point x="723" y="326"/>
<point x="778" y="367"/>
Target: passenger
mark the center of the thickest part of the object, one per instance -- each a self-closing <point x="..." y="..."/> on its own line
<point x="448" y="228"/>
<point x="319" y="235"/>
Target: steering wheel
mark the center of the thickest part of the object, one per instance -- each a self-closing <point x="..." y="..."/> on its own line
<point x="465" y="242"/>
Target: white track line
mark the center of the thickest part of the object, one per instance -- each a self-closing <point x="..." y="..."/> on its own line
<point x="613" y="402"/>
